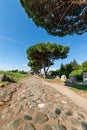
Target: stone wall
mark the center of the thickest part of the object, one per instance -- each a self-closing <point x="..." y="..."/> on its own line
<point x="72" y="79"/>
<point x="85" y="78"/>
<point x="4" y="77"/>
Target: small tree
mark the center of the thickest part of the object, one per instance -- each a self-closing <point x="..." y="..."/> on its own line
<point x="67" y="68"/>
<point x="75" y="65"/>
<point x="77" y="73"/>
<point x="43" y="55"/>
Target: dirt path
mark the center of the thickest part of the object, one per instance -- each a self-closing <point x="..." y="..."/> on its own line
<point x="75" y="98"/>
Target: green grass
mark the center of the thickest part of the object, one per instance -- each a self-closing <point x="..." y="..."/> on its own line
<point x="79" y="88"/>
<point x="16" y="75"/>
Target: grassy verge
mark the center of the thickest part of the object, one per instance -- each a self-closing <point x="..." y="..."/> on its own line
<point x="54" y="80"/>
<point x="79" y="88"/>
<point x="16" y="76"/>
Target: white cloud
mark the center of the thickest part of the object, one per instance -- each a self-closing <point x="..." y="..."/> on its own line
<point x="8" y="38"/>
<point x="25" y="65"/>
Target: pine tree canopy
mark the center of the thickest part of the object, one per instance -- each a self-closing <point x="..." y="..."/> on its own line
<point x="58" y="17"/>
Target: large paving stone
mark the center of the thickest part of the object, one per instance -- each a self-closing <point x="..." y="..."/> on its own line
<point x="6" y="110"/>
<point x="46" y="127"/>
<point x="2" y="95"/>
<point x="41" y="118"/>
<point x="55" y="113"/>
<point x="29" y="127"/>
<point x="58" y="111"/>
<point x="84" y="125"/>
<point x="68" y="113"/>
<point x="6" y="116"/>
<point x="12" y="125"/>
<point x="74" y="121"/>
<point x="60" y="127"/>
<point x="17" y="123"/>
<point x="80" y="115"/>
<point x="7" y="126"/>
<point x="74" y="128"/>
<point x="1" y="103"/>
<point x="27" y="117"/>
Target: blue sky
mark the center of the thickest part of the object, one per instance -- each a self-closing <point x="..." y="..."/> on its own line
<point x="18" y="32"/>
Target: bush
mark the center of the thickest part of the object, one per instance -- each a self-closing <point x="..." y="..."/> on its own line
<point x="54" y="73"/>
<point x="77" y="73"/>
<point x="84" y="66"/>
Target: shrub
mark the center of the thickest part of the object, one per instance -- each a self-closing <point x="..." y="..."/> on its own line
<point x="84" y="66"/>
<point x="54" y="73"/>
<point x="77" y="73"/>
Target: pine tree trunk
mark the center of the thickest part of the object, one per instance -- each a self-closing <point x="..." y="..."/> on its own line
<point x="45" y="74"/>
<point x="44" y="67"/>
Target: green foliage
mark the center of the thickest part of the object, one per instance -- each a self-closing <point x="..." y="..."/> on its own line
<point x="35" y="66"/>
<point x="58" y="17"/>
<point x="42" y="55"/>
<point x="77" y="73"/>
<point x="75" y="65"/>
<point x="77" y="88"/>
<point x="55" y="73"/>
<point x="16" y="75"/>
<point x="84" y="66"/>
<point x="67" y="68"/>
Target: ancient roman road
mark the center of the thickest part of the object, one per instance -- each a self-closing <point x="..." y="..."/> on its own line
<point x="34" y="104"/>
<point x="74" y="97"/>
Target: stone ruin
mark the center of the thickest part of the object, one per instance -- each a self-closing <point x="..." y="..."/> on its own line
<point x="4" y="77"/>
<point x="63" y="78"/>
<point x="85" y="78"/>
<point x="72" y="80"/>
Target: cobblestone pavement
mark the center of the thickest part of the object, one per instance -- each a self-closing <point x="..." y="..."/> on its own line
<point x="33" y="105"/>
